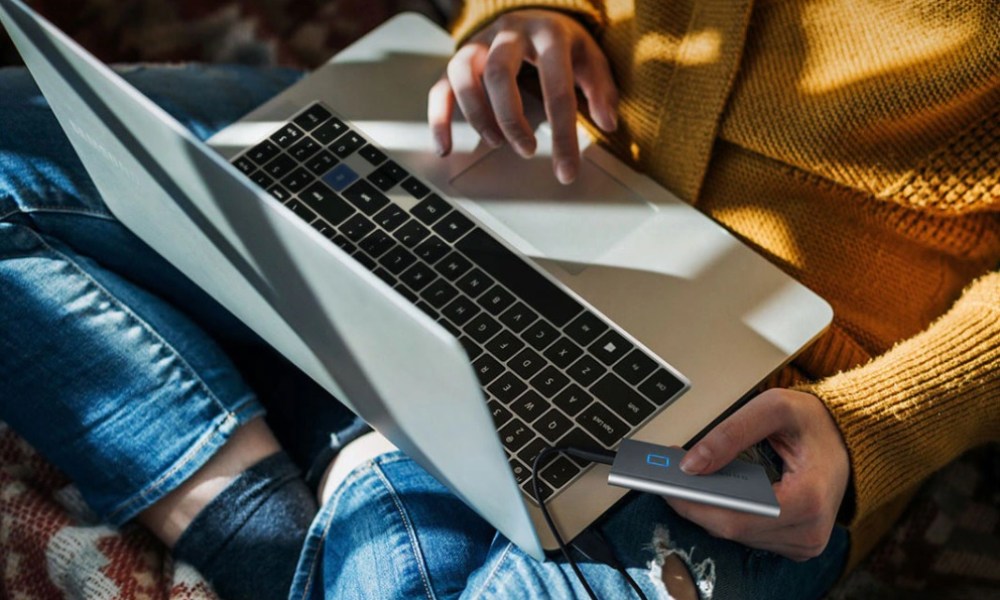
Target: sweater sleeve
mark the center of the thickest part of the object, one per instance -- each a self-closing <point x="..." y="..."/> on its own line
<point x="476" y="14"/>
<point x="917" y="407"/>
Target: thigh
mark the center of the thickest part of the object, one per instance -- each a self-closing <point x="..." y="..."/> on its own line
<point x="393" y="531"/>
<point x="112" y="384"/>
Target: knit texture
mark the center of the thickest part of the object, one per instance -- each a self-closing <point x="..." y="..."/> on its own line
<point x="857" y="146"/>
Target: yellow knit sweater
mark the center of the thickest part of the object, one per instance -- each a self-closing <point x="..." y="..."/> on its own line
<point x="857" y="145"/>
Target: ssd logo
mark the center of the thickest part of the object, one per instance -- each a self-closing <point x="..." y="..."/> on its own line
<point x="657" y="460"/>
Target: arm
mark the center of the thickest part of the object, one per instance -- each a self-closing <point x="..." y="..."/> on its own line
<point x="481" y="78"/>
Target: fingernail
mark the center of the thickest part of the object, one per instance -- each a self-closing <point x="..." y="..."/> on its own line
<point x="695" y="460"/>
<point x="526" y="149"/>
<point x="565" y="172"/>
<point x="439" y="147"/>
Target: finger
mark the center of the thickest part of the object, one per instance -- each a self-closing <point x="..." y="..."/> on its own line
<point x="762" y="416"/>
<point x="500" y="77"/>
<point x="593" y="76"/>
<point x="464" y="74"/>
<point x="440" y="106"/>
<point x="555" y="69"/>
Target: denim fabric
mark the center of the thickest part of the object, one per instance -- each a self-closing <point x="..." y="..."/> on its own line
<point x="99" y="368"/>
<point x="392" y="531"/>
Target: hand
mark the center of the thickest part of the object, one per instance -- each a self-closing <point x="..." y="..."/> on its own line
<point x="482" y="78"/>
<point x="812" y="484"/>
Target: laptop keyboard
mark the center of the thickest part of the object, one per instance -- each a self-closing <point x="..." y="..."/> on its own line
<point x="553" y="371"/>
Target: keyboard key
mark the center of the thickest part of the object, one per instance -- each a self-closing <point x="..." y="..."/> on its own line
<point x="507" y="387"/>
<point x="453" y="265"/>
<point x="343" y="243"/>
<point x="279" y="167"/>
<point x="391" y="217"/>
<point x="515" y="434"/>
<point x="532" y="449"/>
<point x="287" y="135"/>
<point x="329" y="205"/>
<point x="406" y="293"/>
<point x="572" y="399"/>
<point x="474" y="282"/>
<point x="439" y="293"/>
<point x="518" y="317"/>
<point x="430" y="209"/>
<point x="553" y="425"/>
<point x="245" y="165"/>
<point x="510" y="270"/>
<point x="622" y="399"/>
<point x="602" y="424"/>
<point x="526" y="363"/>
<point x="365" y="260"/>
<point x="460" y="310"/>
<point x="339" y="177"/>
<point x="279" y="192"/>
<point x="321" y="163"/>
<point x="365" y="197"/>
<point x="661" y="387"/>
<point x="504" y="345"/>
<point x="455" y="331"/>
<point x="428" y="309"/>
<point x="263" y="152"/>
<point x="412" y="233"/>
<point x="312" y="117"/>
<point x="585" y="328"/>
<point x="453" y="226"/>
<point x="521" y="472"/>
<point x="563" y="352"/>
<point x="324" y="228"/>
<point x="472" y="349"/>
<point x="578" y="438"/>
<point x="385" y="276"/>
<point x="329" y="131"/>
<point x="387" y="176"/>
<point x="487" y="368"/>
<point x="377" y="243"/>
<point x="482" y="328"/>
<point x="635" y="367"/>
<point x="496" y="300"/>
<point x="540" y="334"/>
<point x="585" y="371"/>
<point x="544" y="491"/>
<point x="297" y="180"/>
<point x="529" y="406"/>
<point x="560" y="472"/>
<point x="417" y="189"/>
<point x="549" y="381"/>
<point x="303" y="149"/>
<point x="397" y="260"/>
<point x="346" y="144"/>
<point x="372" y="154"/>
<point x="499" y="413"/>
<point x="357" y="227"/>
<point x="262" y="179"/>
<point x="417" y="276"/>
<point x="300" y="209"/>
<point x="610" y="347"/>
<point x="432" y="249"/>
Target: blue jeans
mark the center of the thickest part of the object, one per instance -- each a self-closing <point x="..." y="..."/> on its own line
<point x="128" y="377"/>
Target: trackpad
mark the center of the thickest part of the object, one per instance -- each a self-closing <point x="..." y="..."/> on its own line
<point x="574" y="224"/>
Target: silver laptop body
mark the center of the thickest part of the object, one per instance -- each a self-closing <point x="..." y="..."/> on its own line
<point x="720" y="317"/>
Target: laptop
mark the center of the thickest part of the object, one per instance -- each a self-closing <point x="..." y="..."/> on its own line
<point x="470" y="308"/>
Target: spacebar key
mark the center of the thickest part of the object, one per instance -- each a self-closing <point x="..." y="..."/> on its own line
<point x="509" y="269"/>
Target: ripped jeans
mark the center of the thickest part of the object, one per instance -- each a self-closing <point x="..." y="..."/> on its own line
<point x="392" y="531"/>
<point x="84" y="306"/>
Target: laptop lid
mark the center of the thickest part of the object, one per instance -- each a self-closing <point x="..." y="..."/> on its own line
<point x="313" y="303"/>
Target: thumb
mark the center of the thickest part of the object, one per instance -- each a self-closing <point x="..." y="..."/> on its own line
<point x="761" y="417"/>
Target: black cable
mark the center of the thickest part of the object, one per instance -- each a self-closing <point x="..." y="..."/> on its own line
<point x="597" y="456"/>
